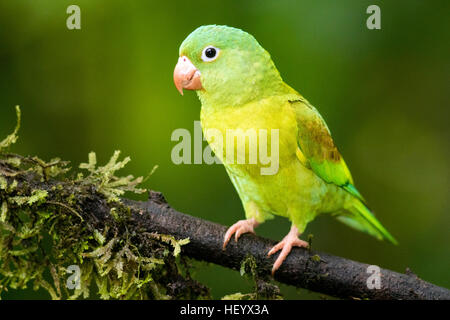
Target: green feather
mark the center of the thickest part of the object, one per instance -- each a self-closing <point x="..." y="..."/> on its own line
<point x="361" y="218"/>
<point x="353" y="191"/>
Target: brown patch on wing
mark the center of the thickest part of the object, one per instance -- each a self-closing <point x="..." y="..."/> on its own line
<point x="323" y="145"/>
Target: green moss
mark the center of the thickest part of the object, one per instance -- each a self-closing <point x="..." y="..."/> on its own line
<point x="36" y="196"/>
<point x="263" y="286"/>
<point x="239" y="296"/>
<point x="111" y="186"/>
<point x="45" y="231"/>
<point x="12" y="138"/>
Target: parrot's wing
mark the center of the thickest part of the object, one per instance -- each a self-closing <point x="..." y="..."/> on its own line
<point x="316" y="147"/>
<point x="316" y="150"/>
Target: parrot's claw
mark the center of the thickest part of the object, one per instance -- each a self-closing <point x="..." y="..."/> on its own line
<point x="239" y="228"/>
<point x="291" y="240"/>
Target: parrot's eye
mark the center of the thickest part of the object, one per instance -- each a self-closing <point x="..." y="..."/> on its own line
<point x="210" y="53"/>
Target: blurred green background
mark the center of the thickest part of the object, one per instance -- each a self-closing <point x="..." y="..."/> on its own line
<point x="384" y="94"/>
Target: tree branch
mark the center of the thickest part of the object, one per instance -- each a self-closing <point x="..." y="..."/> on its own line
<point x="330" y="275"/>
<point x="303" y="268"/>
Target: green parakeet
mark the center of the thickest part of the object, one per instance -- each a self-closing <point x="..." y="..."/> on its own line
<point x="240" y="89"/>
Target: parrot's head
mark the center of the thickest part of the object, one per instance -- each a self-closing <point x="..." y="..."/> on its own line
<point x="226" y="66"/>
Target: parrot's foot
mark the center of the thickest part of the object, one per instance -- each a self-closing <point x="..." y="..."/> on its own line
<point x="239" y="228"/>
<point x="285" y="246"/>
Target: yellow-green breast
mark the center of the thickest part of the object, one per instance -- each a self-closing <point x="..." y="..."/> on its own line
<point x="294" y="191"/>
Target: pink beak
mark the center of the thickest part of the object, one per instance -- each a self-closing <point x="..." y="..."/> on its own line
<point x="186" y="75"/>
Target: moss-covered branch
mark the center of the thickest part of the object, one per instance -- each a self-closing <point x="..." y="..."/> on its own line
<point x="47" y="225"/>
<point x="50" y="220"/>
<point x="54" y="223"/>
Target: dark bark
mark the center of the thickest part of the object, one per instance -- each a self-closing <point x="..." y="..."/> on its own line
<point x="331" y="275"/>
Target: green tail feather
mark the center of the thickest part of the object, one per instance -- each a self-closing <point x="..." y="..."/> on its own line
<point x="351" y="188"/>
<point x="361" y="218"/>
